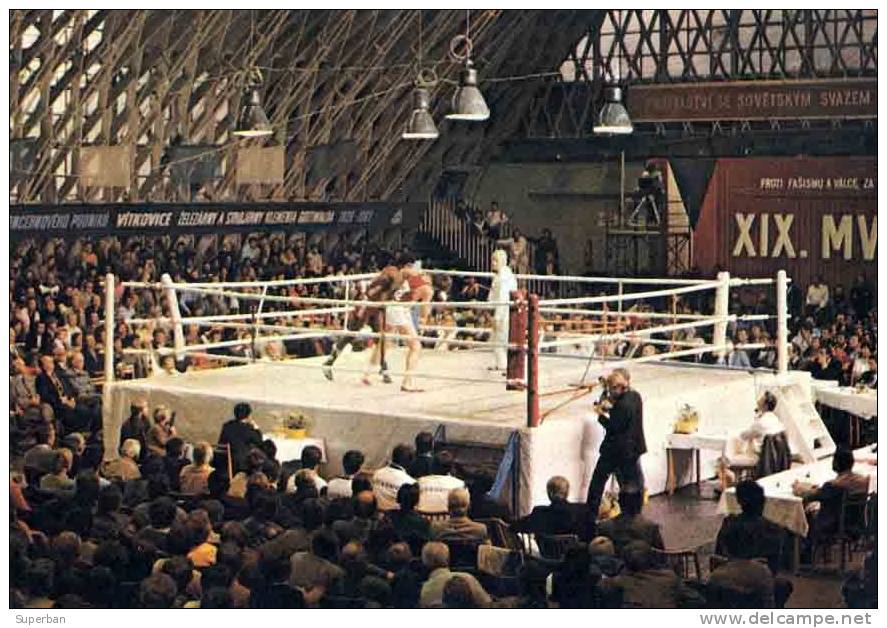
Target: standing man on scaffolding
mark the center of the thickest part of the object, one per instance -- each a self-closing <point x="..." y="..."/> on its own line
<point x="504" y="283"/>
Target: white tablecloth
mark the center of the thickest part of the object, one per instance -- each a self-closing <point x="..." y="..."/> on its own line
<point x="291" y="448"/>
<point x="784" y="508"/>
<point x="864" y="404"/>
<point x="696" y="441"/>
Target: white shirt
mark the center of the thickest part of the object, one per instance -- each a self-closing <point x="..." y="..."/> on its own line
<point x="817" y="294"/>
<point x="386" y="482"/>
<point x="503" y="285"/>
<point x="319" y="482"/>
<point x="765" y="424"/>
<point x="433" y="492"/>
<point x="337" y="488"/>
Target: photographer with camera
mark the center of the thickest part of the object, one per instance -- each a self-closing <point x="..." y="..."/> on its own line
<point x="162" y="430"/>
<point x="620" y="411"/>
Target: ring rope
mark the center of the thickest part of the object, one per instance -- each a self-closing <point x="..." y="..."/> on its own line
<point x="620" y="335"/>
<point x="630" y="296"/>
<point x="297" y="364"/>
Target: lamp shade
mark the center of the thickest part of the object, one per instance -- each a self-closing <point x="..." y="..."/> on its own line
<point x="468" y="102"/>
<point x="253" y="121"/>
<point x="613" y="117"/>
<point x="421" y="125"/>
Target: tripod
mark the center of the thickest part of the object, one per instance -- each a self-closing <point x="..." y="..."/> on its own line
<point x="645" y="208"/>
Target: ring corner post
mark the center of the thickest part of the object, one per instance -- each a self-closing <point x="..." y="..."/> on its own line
<point x="722" y="311"/>
<point x="781" y="322"/>
<point x="517" y="347"/>
<point x="533" y="322"/>
<point x="173" y="300"/>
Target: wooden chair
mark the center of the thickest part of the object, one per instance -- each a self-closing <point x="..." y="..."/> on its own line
<point x="554" y="546"/>
<point x="463" y="555"/>
<point x="222" y="459"/>
<point x="684" y="562"/>
<point x="500" y="534"/>
<point x="853" y="526"/>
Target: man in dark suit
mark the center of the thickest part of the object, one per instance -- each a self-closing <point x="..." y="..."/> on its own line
<point x="561" y="517"/>
<point x="631" y="525"/>
<point x="622" y="416"/>
<point x="58" y="393"/>
<point x="241" y="434"/>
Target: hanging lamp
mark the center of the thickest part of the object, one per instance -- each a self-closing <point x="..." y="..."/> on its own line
<point x="421" y="125"/>
<point x="613" y="118"/>
<point x="468" y="102"/>
<point x="253" y="121"/>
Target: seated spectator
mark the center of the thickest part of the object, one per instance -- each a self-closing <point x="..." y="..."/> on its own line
<point x="162" y="513"/>
<point x="170" y="464"/>
<point x="763" y="539"/>
<point x="423" y="463"/>
<point x="124" y="468"/>
<point x="766" y="438"/>
<point x="23" y="389"/>
<point x="160" y="433"/>
<point x="276" y="591"/>
<point x="194" y="477"/>
<point x="817" y="300"/>
<point x="434" y="488"/>
<point x="630" y="525"/>
<point x="310" y="460"/>
<point x="199" y="529"/>
<point x="745" y="580"/>
<point x="157" y="591"/>
<point x="340" y="486"/>
<point x="58" y="481"/>
<point x="137" y="425"/>
<point x="436" y="559"/>
<point x="869" y="379"/>
<point x="643" y="585"/>
<point x="826" y="366"/>
<point x="363" y="522"/>
<point x="824" y="503"/>
<point x="409" y="525"/>
<point x="316" y="571"/>
<point x="458" y="527"/>
<point x="40" y="459"/>
<point x="559" y="517"/>
<point x="58" y="393"/>
<point x="388" y="479"/>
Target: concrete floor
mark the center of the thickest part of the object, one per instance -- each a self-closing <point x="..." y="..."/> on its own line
<point x="690" y="521"/>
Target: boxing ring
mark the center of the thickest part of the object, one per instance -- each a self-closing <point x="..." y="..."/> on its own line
<point x="540" y="412"/>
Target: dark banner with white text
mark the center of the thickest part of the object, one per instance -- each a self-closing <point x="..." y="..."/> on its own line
<point x="150" y="219"/>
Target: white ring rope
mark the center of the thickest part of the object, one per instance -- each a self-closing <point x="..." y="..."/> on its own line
<point x="258" y="291"/>
<point x="299" y="364"/>
<point x="355" y="302"/>
<point x="322" y="332"/>
<point x="237" y="317"/>
<point x="632" y="296"/>
<point x="620" y="335"/>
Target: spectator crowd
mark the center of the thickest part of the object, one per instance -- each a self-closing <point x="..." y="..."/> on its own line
<point x="177" y="524"/>
<point x="172" y="524"/>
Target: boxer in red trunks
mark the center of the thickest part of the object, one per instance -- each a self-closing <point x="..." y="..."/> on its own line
<point x="417" y="288"/>
<point x="381" y="288"/>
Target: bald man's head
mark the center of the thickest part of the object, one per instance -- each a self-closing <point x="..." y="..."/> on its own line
<point x="365" y="504"/>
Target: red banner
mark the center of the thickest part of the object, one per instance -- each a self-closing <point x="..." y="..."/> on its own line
<point x="809" y="216"/>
